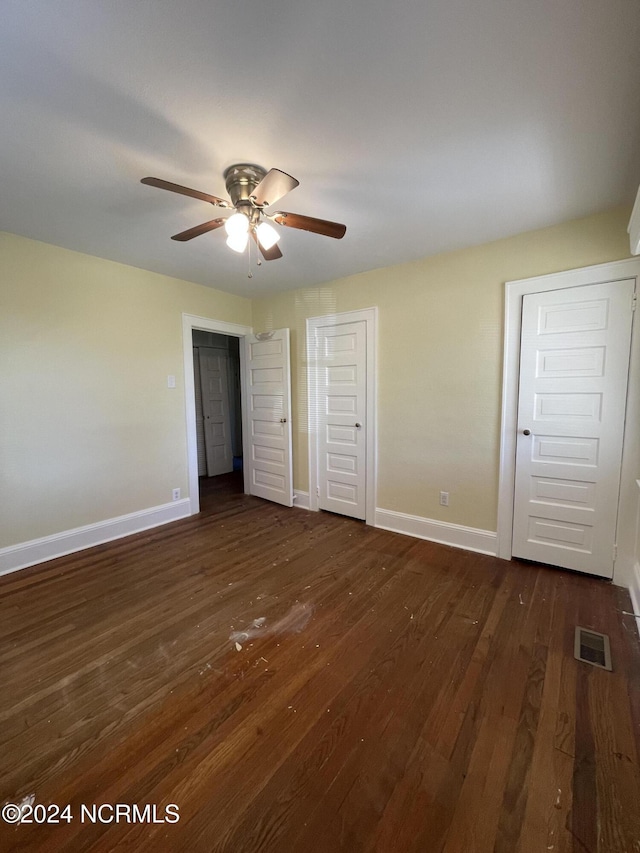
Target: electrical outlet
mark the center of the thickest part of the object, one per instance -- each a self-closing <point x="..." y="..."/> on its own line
<point x="171" y="381"/>
<point x="175" y="495"/>
<point x="444" y="498"/>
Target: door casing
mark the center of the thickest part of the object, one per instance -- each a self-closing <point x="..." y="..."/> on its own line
<point x="370" y="317"/>
<point x="514" y="292"/>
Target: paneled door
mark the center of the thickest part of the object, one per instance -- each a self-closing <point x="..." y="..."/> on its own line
<point x="341" y="353"/>
<point x="268" y="384"/>
<point x="574" y="363"/>
<point x="215" y="410"/>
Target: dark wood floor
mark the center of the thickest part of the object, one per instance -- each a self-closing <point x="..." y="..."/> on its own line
<point x="398" y="696"/>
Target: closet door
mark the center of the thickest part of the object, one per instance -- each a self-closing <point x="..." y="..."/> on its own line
<point x="574" y="363"/>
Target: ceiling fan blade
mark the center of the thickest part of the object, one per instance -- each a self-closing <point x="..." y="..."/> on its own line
<point x="197" y="230"/>
<point x="273" y="186"/>
<point x="271" y="254"/>
<point x="176" y="188"/>
<point x="309" y="223"/>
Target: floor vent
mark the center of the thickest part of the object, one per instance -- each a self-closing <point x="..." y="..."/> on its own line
<point x="591" y="647"/>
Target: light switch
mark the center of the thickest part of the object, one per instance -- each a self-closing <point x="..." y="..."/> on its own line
<point x="171" y="381"/>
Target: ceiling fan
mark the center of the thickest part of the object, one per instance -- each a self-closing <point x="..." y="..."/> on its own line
<point x="252" y="189"/>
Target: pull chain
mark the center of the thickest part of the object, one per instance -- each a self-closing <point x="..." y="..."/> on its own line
<point x="258" y="261"/>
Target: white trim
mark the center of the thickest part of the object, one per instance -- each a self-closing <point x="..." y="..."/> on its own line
<point x="206" y="324"/>
<point x="514" y="292"/>
<point x="456" y="535"/>
<point x="370" y="317"/>
<point x="634" y="586"/>
<point x="634" y="593"/>
<point x="58" y="544"/>
<point x="301" y="499"/>
<point x="634" y="227"/>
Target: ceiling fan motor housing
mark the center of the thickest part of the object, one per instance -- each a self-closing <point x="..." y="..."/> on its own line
<point x="241" y="180"/>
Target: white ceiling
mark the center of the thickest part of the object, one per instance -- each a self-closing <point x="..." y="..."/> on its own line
<point x="423" y="125"/>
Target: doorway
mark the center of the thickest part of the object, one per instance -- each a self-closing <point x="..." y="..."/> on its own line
<point x="265" y="403"/>
<point x="566" y="368"/>
<point x="191" y="323"/>
<point x="218" y="405"/>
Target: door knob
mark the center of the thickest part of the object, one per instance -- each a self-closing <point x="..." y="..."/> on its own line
<point x="358" y="426"/>
<point x="526" y="432"/>
<point x="283" y="420"/>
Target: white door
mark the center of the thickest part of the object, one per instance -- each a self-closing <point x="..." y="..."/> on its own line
<point x="341" y="370"/>
<point x="268" y="383"/>
<point x="215" y="410"/>
<point x="574" y="362"/>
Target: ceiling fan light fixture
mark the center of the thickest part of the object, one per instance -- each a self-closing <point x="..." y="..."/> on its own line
<point x="238" y="241"/>
<point x="251" y="189"/>
<point x="237" y="225"/>
<point x="267" y="235"/>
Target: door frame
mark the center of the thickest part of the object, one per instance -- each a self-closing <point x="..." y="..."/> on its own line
<point x="514" y="293"/>
<point x="233" y="330"/>
<point x="370" y="317"/>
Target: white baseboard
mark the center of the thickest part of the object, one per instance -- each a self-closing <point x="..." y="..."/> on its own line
<point x="301" y="499"/>
<point x="469" y="538"/>
<point x="49" y="547"/>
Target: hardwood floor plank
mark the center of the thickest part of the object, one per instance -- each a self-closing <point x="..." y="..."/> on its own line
<point x="367" y="702"/>
<point x="361" y="664"/>
<point x="616" y="758"/>
<point x="518" y="780"/>
<point x="549" y="797"/>
<point x="394" y="694"/>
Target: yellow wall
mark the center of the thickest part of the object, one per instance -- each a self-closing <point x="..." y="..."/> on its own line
<point x="88" y="428"/>
<point x="439" y="360"/>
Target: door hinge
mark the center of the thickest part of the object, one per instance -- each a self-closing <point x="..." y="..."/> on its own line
<point x="318" y="492"/>
<point x="615" y="552"/>
<point x="634" y="301"/>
